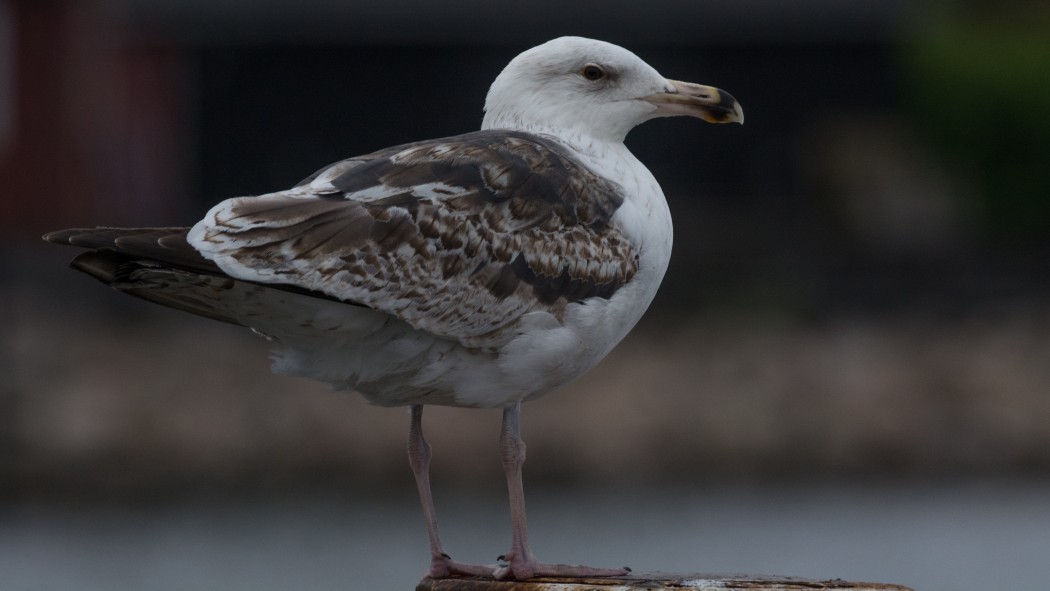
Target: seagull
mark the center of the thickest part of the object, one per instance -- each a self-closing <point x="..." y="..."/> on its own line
<point x="480" y="270"/>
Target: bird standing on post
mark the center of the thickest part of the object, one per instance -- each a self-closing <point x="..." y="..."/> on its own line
<point x="480" y="270"/>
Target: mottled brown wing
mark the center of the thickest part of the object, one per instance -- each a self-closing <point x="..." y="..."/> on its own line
<point x="458" y="236"/>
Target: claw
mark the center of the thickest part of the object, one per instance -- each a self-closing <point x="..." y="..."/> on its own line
<point x="520" y="569"/>
<point x="443" y="566"/>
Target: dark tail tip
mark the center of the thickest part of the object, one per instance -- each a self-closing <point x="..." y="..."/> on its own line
<point x="103" y="265"/>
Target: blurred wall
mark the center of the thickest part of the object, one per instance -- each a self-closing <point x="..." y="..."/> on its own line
<point x="860" y="275"/>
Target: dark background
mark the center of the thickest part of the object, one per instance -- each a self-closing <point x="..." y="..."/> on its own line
<point x="889" y="192"/>
<point x="858" y="292"/>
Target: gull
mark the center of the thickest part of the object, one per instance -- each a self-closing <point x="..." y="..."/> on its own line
<point x="480" y="270"/>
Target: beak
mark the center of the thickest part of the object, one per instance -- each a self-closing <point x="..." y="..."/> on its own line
<point x="695" y="100"/>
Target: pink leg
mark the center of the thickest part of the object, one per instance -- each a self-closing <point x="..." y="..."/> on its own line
<point x="441" y="564"/>
<point x="521" y="564"/>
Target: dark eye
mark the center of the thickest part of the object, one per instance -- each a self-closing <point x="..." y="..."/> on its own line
<point x="593" y="72"/>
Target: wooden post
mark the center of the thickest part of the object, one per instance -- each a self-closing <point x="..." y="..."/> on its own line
<point x="655" y="582"/>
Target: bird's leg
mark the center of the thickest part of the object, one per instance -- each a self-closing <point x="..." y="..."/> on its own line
<point x="512" y="455"/>
<point x="521" y="564"/>
<point x="441" y="564"/>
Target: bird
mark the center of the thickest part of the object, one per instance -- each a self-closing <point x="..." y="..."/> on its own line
<point x="480" y="270"/>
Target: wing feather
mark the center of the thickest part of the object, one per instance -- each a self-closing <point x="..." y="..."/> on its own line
<point x="459" y="236"/>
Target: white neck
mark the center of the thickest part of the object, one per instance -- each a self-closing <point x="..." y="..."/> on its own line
<point x="575" y="132"/>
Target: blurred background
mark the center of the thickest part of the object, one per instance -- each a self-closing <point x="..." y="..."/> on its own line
<point x="845" y="374"/>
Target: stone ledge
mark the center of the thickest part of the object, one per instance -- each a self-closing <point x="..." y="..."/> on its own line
<point x="655" y="582"/>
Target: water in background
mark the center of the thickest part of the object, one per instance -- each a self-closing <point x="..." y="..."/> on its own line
<point x="959" y="537"/>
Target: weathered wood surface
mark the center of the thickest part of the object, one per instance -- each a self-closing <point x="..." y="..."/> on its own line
<point x="655" y="582"/>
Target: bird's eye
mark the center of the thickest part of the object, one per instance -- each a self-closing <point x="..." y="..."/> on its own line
<point x="593" y="72"/>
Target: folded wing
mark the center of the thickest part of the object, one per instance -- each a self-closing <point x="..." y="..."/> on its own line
<point x="459" y="237"/>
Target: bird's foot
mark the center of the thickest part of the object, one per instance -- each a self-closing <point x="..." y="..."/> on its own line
<point x="442" y="566"/>
<point x="520" y="568"/>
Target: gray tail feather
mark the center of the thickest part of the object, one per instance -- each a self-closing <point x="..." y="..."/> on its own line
<point x="160" y="266"/>
<point x="167" y="246"/>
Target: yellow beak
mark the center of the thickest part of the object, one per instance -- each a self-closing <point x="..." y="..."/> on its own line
<point x="696" y="100"/>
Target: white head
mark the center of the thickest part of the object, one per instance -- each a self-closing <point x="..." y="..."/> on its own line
<point x="593" y="89"/>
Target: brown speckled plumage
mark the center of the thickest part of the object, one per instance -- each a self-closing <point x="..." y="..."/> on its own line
<point x="458" y="236"/>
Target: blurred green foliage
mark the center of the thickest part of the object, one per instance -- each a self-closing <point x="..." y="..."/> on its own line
<point x="979" y="81"/>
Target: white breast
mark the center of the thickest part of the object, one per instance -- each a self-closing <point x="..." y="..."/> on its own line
<point x="547" y="354"/>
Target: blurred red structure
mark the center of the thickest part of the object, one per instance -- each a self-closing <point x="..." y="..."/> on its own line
<point x="91" y="122"/>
